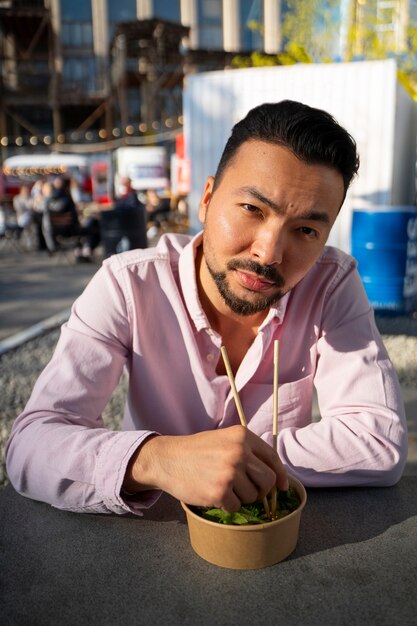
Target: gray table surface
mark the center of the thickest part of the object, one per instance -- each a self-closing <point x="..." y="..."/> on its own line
<point x="355" y="563"/>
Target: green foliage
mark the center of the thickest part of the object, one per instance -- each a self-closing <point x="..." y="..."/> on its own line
<point x="256" y="59"/>
<point x="409" y="82"/>
<point x="297" y="52"/>
<point x="377" y="32"/>
<point x="310" y="34"/>
<point x="371" y="37"/>
<point x="245" y="515"/>
<point x="254" y="513"/>
<point x="310" y="26"/>
<point x="293" y="54"/>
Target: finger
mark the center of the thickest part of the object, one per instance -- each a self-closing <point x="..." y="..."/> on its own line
<point x="245" y="489"/>
<point x="265" y="453"/>
<point x="229" y="503"/>
<point x="261" y="476"/>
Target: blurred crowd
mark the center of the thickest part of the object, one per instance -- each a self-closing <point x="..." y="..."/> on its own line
<point x="57" y="212"/>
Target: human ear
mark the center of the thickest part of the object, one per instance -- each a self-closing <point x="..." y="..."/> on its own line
<point x="205" y="199"/>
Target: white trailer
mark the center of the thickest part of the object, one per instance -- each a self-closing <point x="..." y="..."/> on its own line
<point x="365" y="97"/>
<point x="147" y="167"/>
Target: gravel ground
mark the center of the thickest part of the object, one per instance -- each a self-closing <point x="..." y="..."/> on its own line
<point x="19" y="369"/>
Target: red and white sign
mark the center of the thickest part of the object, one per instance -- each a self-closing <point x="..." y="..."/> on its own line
<point x="101" y="182"/>
<point x="180" y="169"/>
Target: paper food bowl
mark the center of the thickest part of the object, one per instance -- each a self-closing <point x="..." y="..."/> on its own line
<point x="246" y="547"/>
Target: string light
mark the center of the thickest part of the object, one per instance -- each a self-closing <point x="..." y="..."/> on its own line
<point x="92" y="135"/>
<point x="34" y="171"/>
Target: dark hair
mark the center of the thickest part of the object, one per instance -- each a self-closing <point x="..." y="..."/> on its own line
<point x="313" y="136"/>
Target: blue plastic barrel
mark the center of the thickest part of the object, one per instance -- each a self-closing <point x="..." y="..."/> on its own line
<point x="384" y="242"/>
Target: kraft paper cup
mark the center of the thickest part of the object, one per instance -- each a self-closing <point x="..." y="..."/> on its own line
<point x="246" y="547"/>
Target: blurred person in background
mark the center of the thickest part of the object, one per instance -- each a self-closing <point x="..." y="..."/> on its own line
<point x="23" y="207"/>
<point x="89" y="221"/>
<point x="60" y="217"/>
<point x="157" y="207"/>
<point x="39" y="192"/>
<point x="182" y="206"/>
<point x="128" y="197"/>
<point x="90" y="237"/>
<point x="77" y="194"/>
<point x="2" y="221"/>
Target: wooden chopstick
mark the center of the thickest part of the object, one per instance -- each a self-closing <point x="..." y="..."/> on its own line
<point x="233" y="386"/>
<point x="239" y="407"/>
<point x="274" y="494"/>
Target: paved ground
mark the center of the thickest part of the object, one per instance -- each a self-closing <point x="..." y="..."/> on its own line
<point x="34" y="287"/>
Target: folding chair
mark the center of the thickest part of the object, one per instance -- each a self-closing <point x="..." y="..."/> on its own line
<point x="10" y="237"/>
<point x="65" y="234"/>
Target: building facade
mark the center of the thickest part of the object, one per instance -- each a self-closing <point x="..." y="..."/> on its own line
<point x="90" y="72"/>
<point x="94" y="71"/>
<point x="383" y="23"/>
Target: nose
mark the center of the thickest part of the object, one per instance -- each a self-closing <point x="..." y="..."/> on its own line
<point x="268" y="246"/>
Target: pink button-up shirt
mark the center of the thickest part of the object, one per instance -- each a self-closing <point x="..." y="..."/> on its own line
<point x="142" y="310"/>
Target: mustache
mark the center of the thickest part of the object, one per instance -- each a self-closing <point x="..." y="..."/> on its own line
<point x="265" y="271"/>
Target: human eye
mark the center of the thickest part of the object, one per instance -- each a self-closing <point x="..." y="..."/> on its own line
<point x="251" y="208"/>
<point x="310" y="233"/>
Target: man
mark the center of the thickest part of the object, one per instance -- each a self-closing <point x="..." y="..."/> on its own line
<point x="127" y="197"/>
<point x="23" y="207"/>
<point x="259" y="271"/>
<point x="60" y="217"/>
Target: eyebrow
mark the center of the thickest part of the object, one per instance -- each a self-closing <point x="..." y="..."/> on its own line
<point x="315" y="216"/>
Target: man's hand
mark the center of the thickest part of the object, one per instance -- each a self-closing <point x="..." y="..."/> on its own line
<point x="222" y="468"/>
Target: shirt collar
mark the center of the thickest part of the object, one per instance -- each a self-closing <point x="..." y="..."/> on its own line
<point x="188" y="281"/>
<point x="276" y="312"/>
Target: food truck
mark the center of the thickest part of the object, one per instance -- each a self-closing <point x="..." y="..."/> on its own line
<point x="28" y="168"/>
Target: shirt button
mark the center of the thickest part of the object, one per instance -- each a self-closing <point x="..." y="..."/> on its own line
<point x="210" y="357"/>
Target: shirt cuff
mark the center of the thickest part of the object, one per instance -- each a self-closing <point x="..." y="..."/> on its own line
<point x="111" y="468"/>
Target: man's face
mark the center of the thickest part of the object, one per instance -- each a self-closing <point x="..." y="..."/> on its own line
<point x="265" y="225"/>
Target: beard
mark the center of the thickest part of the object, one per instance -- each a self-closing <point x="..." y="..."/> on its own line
<point x="240" y="305"/>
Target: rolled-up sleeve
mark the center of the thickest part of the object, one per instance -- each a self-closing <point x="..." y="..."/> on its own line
<point x="58" y="451"/>
<point x="361" y="438"/>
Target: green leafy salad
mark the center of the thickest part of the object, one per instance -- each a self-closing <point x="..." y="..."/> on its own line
<point x="254" y="513"/>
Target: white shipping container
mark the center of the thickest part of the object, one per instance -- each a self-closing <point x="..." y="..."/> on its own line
<point x="365" y="97"/>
